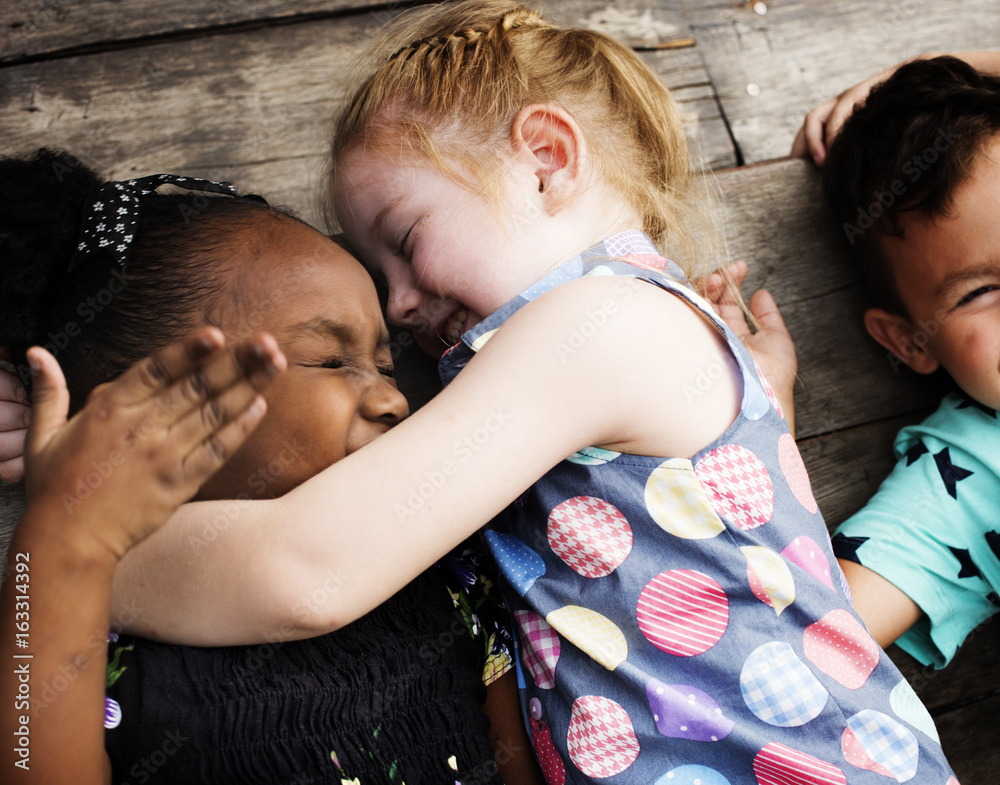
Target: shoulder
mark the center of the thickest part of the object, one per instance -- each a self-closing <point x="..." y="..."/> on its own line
<point x="627" y="352"/>
<point x="961" y="426"/>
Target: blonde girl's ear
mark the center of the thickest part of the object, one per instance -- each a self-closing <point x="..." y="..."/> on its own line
<point x="899" y="336"/>
<point x="551" y="142"/>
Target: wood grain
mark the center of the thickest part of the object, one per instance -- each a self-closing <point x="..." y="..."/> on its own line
<point x="800" y="54"/>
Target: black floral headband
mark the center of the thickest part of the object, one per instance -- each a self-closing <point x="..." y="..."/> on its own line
<point x="112" y="217"/>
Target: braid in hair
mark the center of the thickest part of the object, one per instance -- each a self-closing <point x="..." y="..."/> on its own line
<point x="447" y="82"/>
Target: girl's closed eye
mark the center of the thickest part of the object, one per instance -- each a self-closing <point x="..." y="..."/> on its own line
<point x="974" y="294"/>
<point x="401" y="245"/>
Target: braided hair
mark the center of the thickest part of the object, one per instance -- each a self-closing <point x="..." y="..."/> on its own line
<point x="98" y="320"/>
<point x="904" y="152"/>
<point x="446" y="82"/>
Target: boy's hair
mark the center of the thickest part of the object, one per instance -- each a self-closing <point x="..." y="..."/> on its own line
<point x="906" y="150"/>
<point x="446" y="82"/>
<point x="97" y="320"/>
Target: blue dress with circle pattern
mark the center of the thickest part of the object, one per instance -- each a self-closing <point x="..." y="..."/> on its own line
<point x="684" y="620"/>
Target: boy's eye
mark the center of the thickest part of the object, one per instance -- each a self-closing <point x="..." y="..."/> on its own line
<point x="333" y="363"/>
<point x="386" y="370"/>
<point x="975" y="293"/>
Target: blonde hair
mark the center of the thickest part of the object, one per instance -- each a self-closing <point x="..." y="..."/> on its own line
<point x="448" y="80"/>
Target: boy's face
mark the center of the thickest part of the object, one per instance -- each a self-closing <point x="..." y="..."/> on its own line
<point x="947" y="271"/>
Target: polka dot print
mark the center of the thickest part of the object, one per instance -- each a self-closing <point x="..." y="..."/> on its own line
<point x="684" y="712"/>
<point x="908" y="707"/>
<point x="593" y="456"/>
<point x="770" y="579"/>
<point x="841" y="647"/>
<point x="777" y="764"/>
<point x="692" y="774"/>
<point x="738" y="485"/>
<point x="540" y="648"/>
<point x="677" y="502"/>
<point x="805" y="553"/>
<point x="592" y="633"/>
<point x="632" y="668"/>
<point x="779" y="689"/>
<point x="551" y="764"/>
<point x="482" y="340"/>
<point x="769" y="391"/>
<point x="876" y="742"/>
<point x="683" y="612"/>
<point x="520" y="565"/>
<point x="601" y="739"/>
<point x="795" y="472"/>
<point x="590" y="535"/>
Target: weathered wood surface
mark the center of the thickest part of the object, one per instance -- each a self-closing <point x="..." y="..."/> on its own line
<point x="219" y="105"/>
<point x="244" y="91"/>
<point x="769" y="70"/>
<point x="30" y="28"/>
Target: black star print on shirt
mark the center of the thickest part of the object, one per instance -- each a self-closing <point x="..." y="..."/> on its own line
<point x="915" y="452"/>
<point x="968" y="567"/>
<point x="845" y="547"/>
<point x="993" y="540"/>
<point x="969" y="402"/>
<point x="951" y="474"/>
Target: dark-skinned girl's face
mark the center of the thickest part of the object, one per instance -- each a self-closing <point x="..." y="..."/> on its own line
<point x="338" y="393"/>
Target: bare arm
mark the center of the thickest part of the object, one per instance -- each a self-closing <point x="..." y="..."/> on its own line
<point x="824" y="122"/>
<point x="344" y="541"/>
<point x="54" y="603"/>
<point x="886" y="610"/>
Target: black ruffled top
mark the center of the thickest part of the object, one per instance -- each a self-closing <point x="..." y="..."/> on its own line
<point x="394" y="697"/>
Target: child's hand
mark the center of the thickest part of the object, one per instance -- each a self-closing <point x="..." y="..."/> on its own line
<point x="771" y="345"/>
<point x="823" y="123"/>
<point x="14" y="413"/>
<point x="142" y="444"/>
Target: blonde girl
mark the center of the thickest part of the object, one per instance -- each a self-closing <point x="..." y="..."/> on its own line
<point x="680" y="614"/>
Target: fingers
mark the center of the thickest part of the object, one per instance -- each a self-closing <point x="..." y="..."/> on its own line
<point x="719" y="287"/>
<point x="12" y="470"/>
<point x="208" y="455"/>
<point x="252" y="365"/>
<point x="156" y="373"/>
<point x="50" y="399"/>
<point x="11" y="389"/>
<point x="813" y="130"/>
<point x="212" y="415"/>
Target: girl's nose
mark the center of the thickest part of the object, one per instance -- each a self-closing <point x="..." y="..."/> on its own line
<point x="402" y="308"/>
<point x="383" y="403"/>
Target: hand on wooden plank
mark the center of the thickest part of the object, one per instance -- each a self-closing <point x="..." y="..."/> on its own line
<point x="824" y="122"/>
<point x="144" y="443"/>
<point x="15" y="411"/>
<point x="771" y="344"/>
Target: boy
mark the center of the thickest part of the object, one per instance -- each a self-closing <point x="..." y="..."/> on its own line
<point x="914" y="179"/>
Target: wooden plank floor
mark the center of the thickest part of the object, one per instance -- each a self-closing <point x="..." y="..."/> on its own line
<point x="245" y="91"/>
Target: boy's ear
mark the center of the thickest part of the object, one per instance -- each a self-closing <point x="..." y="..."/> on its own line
<point x="554" y="145"/>
<point x="897" y="335"/>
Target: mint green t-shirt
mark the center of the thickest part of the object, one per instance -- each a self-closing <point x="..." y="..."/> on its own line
<point x="933" y="527"/>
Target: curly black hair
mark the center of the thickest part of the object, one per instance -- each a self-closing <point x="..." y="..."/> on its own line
<point x="906" y="150"/>
<point x="96" y="319"/>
